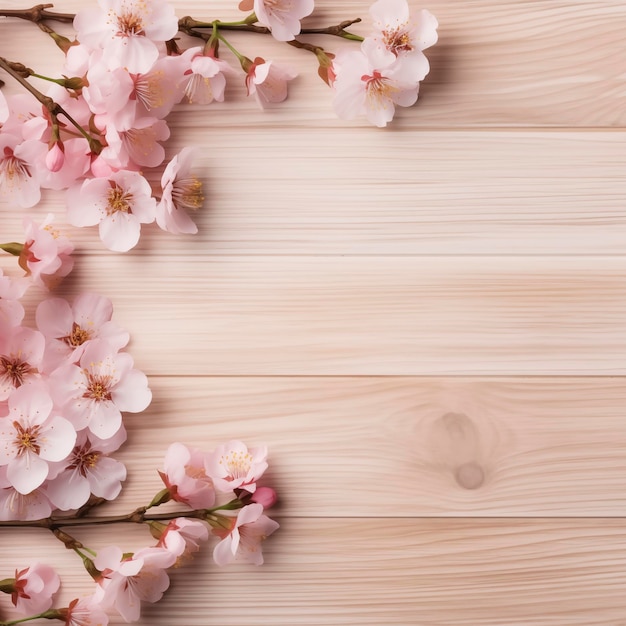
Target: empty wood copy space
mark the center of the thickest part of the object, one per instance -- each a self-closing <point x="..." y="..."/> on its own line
<point x="425" y="324"/>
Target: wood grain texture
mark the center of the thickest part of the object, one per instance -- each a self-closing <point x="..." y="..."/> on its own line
<point x="398" y="447"/>
<point x="510" y="63"/>
<point x="426" y="325"/>
<point x="401" y="572"/>
<point x="367" y="315"/>
<point x="458" y="193"/>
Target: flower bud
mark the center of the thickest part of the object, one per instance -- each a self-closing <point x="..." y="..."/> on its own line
<point x="55" y="157"/>
<point x="265" y="496"/>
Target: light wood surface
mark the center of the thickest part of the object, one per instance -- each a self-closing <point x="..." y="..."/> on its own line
<point x="425" y="324"/>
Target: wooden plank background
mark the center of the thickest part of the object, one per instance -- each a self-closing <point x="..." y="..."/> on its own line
<point x="426" y="325"/>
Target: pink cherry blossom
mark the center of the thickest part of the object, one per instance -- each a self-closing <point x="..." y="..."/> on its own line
<point x="182" y="192"/>
<point x="55" y="158"/>
<point x="267" y="82"/>
<point x="361" y="89"/>
<point x="19" y="180"/>
<point x="204" y="79"/>
<point x="242" y="541"/>
<point x="21" y="353"/>
<point x="94" y="393"/>
<point x="400" y="34"/>
<point x="157" y="91"/>
<point x="31" y="438"/>
<point x="69" y="329"/>
<point x="182" y="536"/>
<point x="126" y="582"/>
<point x="185" y="476"/>
<point x="17" y="506"/>
<point x="232" y="466"/>
<point x="282" y="17"/>
<point x="118" y="204"/>
<point x="90" y="470"/>
<point x="11" y="310"/>
<point x="34" y="587"/>
<point x="127" y="31"/>
<point x="134" y="142"/>
<point x="47" y="254"/>
<point x="84" y="612"/>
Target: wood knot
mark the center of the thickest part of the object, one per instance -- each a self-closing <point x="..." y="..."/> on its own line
<point x="469" y="475"/>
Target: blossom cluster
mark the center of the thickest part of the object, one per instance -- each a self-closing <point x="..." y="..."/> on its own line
<point x="99" y="131"/>
<point x="64" y="384"/>
<point x="387" y="70"/>
<point x="123" y="580"/>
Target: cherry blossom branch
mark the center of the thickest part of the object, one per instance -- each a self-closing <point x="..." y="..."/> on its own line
<point x="186" y="24"/>
<point x="138" y="516"/>
<point x="19" y="72"/>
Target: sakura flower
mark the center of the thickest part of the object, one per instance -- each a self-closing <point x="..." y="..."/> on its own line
<point x="399" y="34"/>
<point x="134" y="142"/>
<point x="127" y="581"/>
<point x="158" y="90"/>
<point x="94" y="393"/>
<point x="119" y="205"/>
<point x="19" y="180"/>
<point x="204" y="80"/>
<point x="84" y="612"/>
<point x="282" y="17"/>
<point x="17" y="506"/>
<point x="361" y="89"/>
<point x="89" y="471"/>
<point x="21" y="353"/>
<point x="185" y="476"/>
<point x="33" y="588"/>
<point x="46" y="255"/>
<point x="31" y="438"/>
<point x="182" y="536"/>
<point x="233" y="466"/>
<point x="182" y="192"/>
<point x="267" y="81"/>
<point x="11" y="290"/>
<point x="127" y="31"/>
<point x="241" y="540"/>
<point x="69" y="330"/>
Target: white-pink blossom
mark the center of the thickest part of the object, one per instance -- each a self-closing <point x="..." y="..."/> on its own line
<point x="46" y="255"/>
<point x="267" y="82"/>
<point x="128" y="31"/>
<point x="33" y="589"/>
<point x="242" y="540"/>
<point x="204" y="78"/>
<point x="362" y="89"/>
<point x="21" y="354"/>
<point x="126" y="582"/>
<point x="184" y="474"/>
<point x="19" y="178"/>
<point x="400" y="33"/>
<point x="31" y="437"/>
<point x="94" y="393"/>
<point x="282" y="17"/>
<point x="118" y="204"/>
<point x="234" y="466"/>
<point x="182" y="536"/>
<point x="89" y="471"/>
<point x="84" y="612"/>
<point x="69" y="329"/>
<point x="182" y="192"/>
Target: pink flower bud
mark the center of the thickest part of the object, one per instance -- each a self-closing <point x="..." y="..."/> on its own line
<point x="55" y="157"/>
<point x="265" y="496"/>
